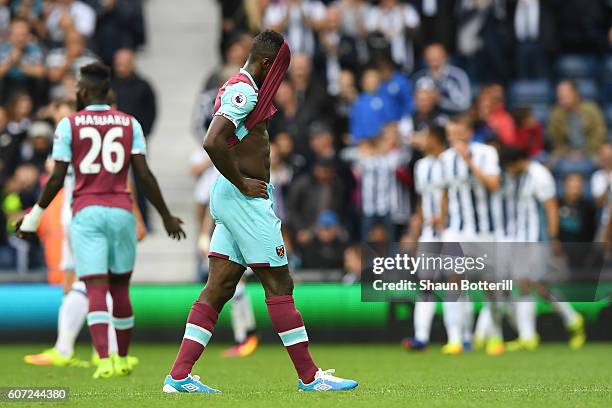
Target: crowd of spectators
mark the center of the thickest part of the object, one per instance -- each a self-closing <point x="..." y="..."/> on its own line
<point x="367" y="77"/>
<point x="43" y="43"/>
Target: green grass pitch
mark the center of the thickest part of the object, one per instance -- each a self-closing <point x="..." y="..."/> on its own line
<point x="552" y="376"/>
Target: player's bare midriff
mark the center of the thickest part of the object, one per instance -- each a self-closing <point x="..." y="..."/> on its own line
<point x="253" y="154"/>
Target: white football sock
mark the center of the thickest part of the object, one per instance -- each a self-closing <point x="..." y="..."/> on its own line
<point x="566" y="311"/>
<point x="496" y="313"/>
<point x="112" y="335"/>
<point x="423" y="316"/>
<point x="526" y="317"/>
<point x="243" y="318"/>
<point x="483" y="323"/>
<point x="453" y="320"/>
<point x="468" y="321"/>
<point x="71" y="317"/>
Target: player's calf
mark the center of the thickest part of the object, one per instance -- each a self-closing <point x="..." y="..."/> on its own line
<point x="123" y="317"/>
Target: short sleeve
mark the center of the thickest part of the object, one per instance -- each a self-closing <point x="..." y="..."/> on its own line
<point x="237" y="102"/>
<point x="599" y="183"/>
<point x="62" y="141"/>
<point x="544" y="185"/>
<point x="418" y="187"/>
<point x="491" y="162"/>
<point x="139" y="145"/>
<point x="444" y="178"/>
<point x="55" y="58"/>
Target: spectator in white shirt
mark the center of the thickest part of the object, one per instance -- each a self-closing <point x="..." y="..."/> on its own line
<point x="299" y="20"/>
<point x="399" y="24"/>
<point x="68" y="15"/>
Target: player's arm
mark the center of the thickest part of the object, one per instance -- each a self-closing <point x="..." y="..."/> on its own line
<point x="62" y="154"/>
<point x="552" y="217"/>
<point x="441" y="220"/>
<point x="416" y="223"/>
<point x="27" y="226"/>
<point x="149" y="184"/>
<point x="220" y="131"/>
<point x="545" y="193"/>
<point x="141" y="228"/>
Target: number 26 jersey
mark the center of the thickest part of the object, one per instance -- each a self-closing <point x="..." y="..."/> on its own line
<point x="99" y="141"/>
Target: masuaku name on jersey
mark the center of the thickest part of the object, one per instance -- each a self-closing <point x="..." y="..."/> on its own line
<point x="101" y="120"/>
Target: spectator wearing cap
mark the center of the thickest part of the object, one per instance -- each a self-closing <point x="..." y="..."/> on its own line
<point x="323" y="248"/>
<point x="369" y="113"/>
<point x="452" y="82"/>
<point x="575" y="125"/>
<point x="69" y="58"/>
<point x="37" y="147"/>
<point x="314" y="192"/>
<point x="21" y="60"/>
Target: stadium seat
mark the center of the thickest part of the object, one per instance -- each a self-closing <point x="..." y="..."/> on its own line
<point x="607" y="93"/>
<point x="576" y="67"/>
<point x="607" y="81"/>
<point x="541" y="111"/>
<point x="607" y="70"/>
<point x="588" y="89"/>
<point x="530" y="92"/>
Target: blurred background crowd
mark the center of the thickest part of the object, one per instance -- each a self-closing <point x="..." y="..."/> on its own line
<point x="366" y="80"/>
<point x="368" y="77"/>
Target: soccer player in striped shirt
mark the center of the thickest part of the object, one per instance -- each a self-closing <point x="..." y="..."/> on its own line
<point x="533" y="189"/>
<point x="426" y="229"/>
<point x="471" y="177"/>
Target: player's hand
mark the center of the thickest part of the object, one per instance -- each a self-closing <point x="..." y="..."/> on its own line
<point x="254" y="188"/>
<point x="462" y="149"/>
<point x="141" y="231"/>
<point x="173" y="227"/>
<point x="28" y="235"/>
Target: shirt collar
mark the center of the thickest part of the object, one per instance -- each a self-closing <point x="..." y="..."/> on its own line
<point x="97" y="107"/>
<point x="245" y="72"/>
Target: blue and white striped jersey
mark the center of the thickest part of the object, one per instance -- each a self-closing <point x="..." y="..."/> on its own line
<point x="429" y="184"/>
<point x="470" y="205"/>
<point x="522" y="197"/>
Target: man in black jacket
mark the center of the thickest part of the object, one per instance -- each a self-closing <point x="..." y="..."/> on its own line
<point x="136" y="97"/>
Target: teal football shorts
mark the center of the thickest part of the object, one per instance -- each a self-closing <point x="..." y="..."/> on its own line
<point x="103" y="240"/>
<point x="247" y="231"/>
